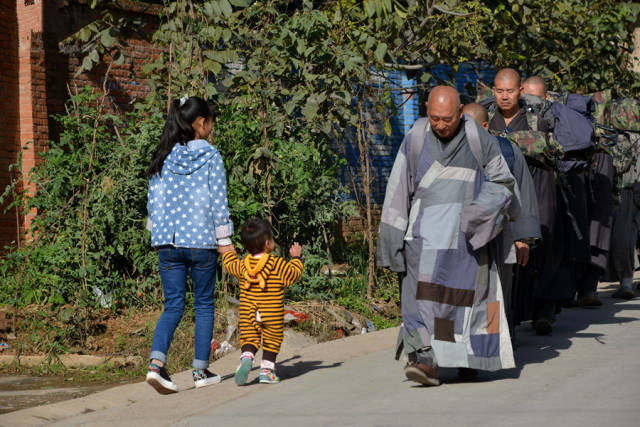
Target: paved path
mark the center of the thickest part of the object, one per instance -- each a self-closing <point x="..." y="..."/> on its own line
<point x="586" y="374"/>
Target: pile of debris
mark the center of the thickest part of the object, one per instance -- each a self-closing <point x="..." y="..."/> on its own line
<point x="322" y="319"/>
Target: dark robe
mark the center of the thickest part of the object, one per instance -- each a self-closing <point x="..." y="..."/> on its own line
<point x="526" y="286"/>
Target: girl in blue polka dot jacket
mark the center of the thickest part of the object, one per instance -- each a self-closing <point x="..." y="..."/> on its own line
<point x="189" y="223"/>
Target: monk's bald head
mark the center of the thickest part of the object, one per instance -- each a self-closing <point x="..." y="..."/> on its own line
<point x="535" y="85"/>
<point x="444" y="111"/>
<point x="507" y="90"/>
<point x="444" y="94"/>
<point x="478" y="112"/>
<point x="507" y="74"/>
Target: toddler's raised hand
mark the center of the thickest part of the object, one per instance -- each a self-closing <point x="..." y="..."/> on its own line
<point x="295" y="250"/>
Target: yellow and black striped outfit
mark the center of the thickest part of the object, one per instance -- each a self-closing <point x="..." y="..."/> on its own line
<point x="262" y="290"/>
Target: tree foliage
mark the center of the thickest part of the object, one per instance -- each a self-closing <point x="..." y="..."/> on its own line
<point x="574" y="45"/>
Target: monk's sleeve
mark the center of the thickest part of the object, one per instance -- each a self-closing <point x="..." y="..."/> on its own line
<point x="395" y="213"/>
<point x="527" y="225"/>
<point x="484" y="217"/>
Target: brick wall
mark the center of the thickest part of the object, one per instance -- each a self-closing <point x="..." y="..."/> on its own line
<point x="35" y="79"/>
<point x="34" y="130"/>
<point x="9" y="110"/>
<point x="125" y="83"/>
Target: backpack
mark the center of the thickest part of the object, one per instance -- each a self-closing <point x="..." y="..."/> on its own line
<point x="625" y="114"/>
<point x="624" y="151"/>
<point x="538" y="146"/>
<point x="483" y="91"/>
<point x="573" y="123"/>
<point x="602" y="103"/>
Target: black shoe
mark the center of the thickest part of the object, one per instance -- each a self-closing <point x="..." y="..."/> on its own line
<point x="203" y="378"/>
<point x="542" y="326"/>
<point x="623" y="293"/>
<point x="588" y="301"/>
<point x="159" y="379"/>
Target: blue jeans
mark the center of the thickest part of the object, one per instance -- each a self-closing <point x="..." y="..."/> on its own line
<point x="174" y="263"/>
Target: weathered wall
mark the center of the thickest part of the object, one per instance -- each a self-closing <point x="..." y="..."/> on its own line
<point x="9" y="111"/>
<point x="36" y="77"/>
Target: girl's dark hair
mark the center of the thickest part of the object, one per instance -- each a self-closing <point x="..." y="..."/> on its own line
<point x="178" y="129"/>
<point x="255" y="233"/>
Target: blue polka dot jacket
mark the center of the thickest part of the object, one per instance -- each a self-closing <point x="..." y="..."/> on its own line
<point x="187" y="203"/>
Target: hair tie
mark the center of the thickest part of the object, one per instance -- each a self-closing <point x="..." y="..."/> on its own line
<point x="183" y="100"/>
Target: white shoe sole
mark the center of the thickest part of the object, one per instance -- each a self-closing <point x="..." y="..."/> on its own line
<point x="161" y="385"/>
<point x="207" y="381"/>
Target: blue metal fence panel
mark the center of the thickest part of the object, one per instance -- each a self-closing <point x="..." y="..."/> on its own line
<point x="406" y="99"/>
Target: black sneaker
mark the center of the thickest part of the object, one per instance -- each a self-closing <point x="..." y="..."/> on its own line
<point x="203" y="378"/>
<point x="159" y="379"/>
<point x="623" y="293"/>
<point x="542" y="326"/>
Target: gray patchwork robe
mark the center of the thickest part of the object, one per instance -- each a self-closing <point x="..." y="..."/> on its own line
<point x="435" y="226"/>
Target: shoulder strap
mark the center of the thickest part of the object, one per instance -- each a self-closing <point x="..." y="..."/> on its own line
<point x="491" y="112"/>
<point x="418" y="133"/>
<point x="507" y="151"/>
<point x="473" y="136"/>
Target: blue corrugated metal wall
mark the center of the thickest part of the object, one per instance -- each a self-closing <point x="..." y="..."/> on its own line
<point x="405" y="97"/>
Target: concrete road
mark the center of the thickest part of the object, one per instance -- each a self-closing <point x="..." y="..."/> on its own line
<point x="586" y="374"/>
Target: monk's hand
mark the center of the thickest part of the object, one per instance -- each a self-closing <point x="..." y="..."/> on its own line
<point x="226" y="248"/>
<point x="522" y="252"/>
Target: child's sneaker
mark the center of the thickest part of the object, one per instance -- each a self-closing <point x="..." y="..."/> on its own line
<point x="242" y="373"/>
<point x="203" y="378"/>
<point x="267" y="376"/>
<point x="159" y="379"/>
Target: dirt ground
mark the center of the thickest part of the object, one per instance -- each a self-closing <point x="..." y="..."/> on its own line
<point x="129" y="334"/>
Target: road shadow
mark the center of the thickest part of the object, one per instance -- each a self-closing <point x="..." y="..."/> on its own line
<point x="570" y="325"/>
<point x="290" y="368"/>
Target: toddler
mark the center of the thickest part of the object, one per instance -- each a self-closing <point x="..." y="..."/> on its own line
<point x="262" y="278"/>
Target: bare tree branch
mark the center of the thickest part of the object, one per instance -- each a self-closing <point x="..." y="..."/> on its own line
<point x="449" y="12"/>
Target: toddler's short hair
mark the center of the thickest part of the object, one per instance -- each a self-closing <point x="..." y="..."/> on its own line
<point x="255" y="233"/>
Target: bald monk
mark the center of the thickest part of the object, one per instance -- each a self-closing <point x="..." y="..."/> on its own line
<point x="539" y="301"/>
<point x="535" y="85"/>
<point x="448" y="195"/>
<point x="519" y="235"/>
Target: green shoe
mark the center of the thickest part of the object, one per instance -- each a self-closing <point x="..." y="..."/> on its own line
<point x="267" y="376"/>
<point x="242" y="373"/>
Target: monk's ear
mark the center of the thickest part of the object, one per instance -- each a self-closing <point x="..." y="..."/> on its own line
<point x="485" y="125"/>
<point x="461" y="107"/>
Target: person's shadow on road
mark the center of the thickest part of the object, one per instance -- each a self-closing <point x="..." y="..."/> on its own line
<point x="567" y="328"/>
<point x="288" y="369"/>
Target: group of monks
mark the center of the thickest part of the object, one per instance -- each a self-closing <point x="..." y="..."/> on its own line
<point x="518" y="241"/>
